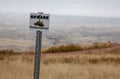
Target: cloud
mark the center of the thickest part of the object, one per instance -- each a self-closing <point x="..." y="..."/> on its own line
<point x="75" y="7"/>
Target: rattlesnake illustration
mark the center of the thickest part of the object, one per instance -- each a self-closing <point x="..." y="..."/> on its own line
<point x="39" y="23"/>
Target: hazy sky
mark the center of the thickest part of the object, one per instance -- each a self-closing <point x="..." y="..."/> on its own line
<point x="104" y="8"/>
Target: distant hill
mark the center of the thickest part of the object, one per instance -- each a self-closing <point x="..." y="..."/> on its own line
<point x="64" y="29"/>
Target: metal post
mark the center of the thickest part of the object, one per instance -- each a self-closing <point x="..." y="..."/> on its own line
<point x="37" y="54"/>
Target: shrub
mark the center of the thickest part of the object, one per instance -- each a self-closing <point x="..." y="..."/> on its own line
<point x="72" y="47"/>
<point x="63" y="48"/>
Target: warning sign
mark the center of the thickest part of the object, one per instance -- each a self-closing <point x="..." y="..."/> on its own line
<point x="39" y="20"/>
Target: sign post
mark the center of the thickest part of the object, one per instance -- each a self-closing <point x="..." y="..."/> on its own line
<point x="37" y="54"/>
<point x="38" y="21"/>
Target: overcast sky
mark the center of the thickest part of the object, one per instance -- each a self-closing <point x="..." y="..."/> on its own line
<point x="104" y="8"/>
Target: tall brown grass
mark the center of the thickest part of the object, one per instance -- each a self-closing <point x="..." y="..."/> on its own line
<point x="83" y="66"/>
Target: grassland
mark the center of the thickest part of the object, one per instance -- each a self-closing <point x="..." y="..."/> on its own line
<point x="97" y="64"/>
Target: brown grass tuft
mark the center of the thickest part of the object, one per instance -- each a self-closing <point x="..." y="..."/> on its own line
<point x="72" y="47"/>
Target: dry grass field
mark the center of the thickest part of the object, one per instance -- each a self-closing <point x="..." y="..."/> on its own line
<point x="91" y="65"/>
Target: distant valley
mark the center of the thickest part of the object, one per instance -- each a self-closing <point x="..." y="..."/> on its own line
<point x="15" y="33"/>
